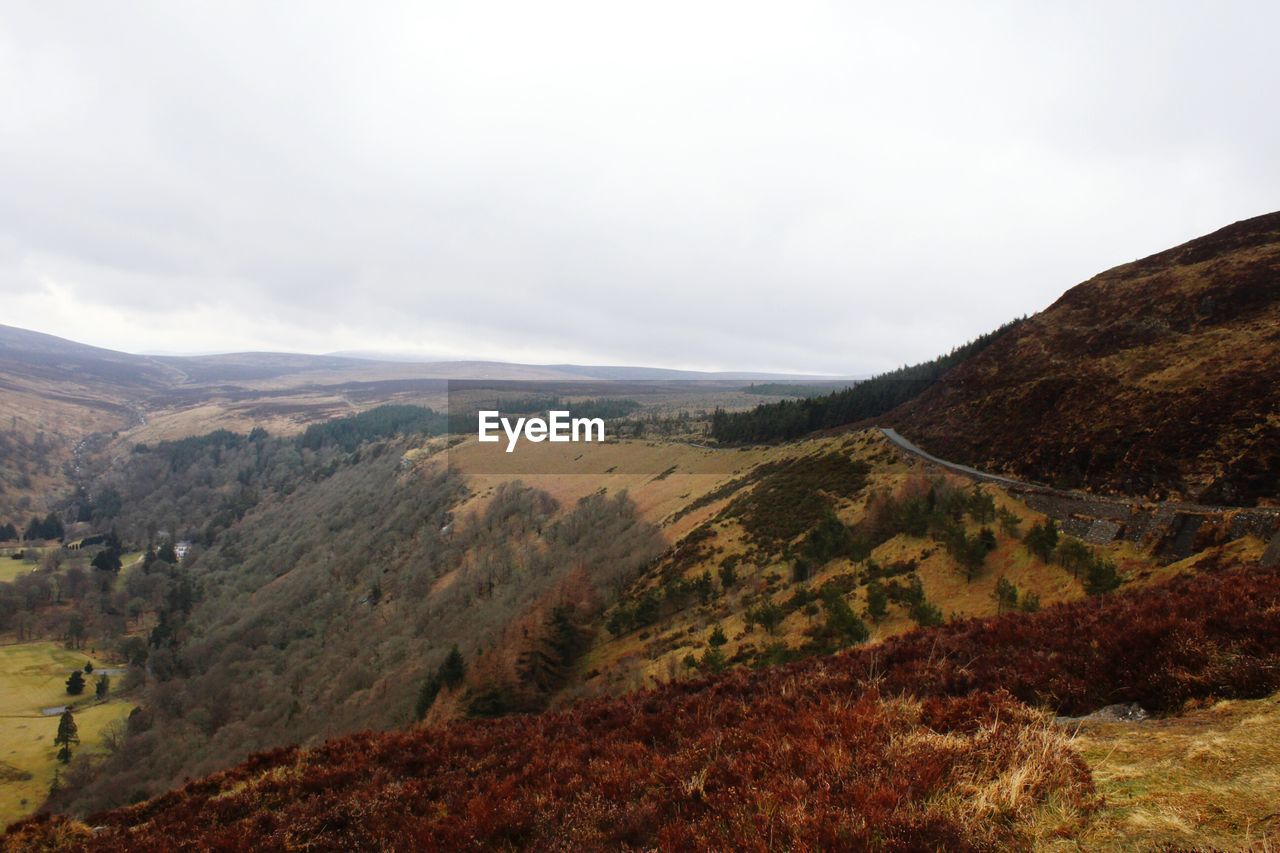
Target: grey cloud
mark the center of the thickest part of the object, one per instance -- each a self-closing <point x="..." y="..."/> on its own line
<point x="818" y="187"/>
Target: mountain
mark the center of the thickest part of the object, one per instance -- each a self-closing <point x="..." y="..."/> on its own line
<point x="1160" y="377"/>
<point x="593" y="371"/>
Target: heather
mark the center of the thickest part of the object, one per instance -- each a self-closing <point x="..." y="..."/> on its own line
<point x="935" y="738"/>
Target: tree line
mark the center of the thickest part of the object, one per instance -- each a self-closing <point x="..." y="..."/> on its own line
<point x="788" y="419"/>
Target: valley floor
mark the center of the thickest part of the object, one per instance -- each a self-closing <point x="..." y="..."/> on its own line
<point x="32" y="681"/>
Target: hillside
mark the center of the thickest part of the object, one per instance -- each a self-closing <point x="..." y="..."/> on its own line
<point x="1160" y="377"/>
<point x="828" y="542"/>
<point x="366" y="574"/>
<point x="934" y="739"/>
<point x="328" y="586"/>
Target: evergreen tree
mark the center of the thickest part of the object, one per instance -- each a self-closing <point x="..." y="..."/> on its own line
<point x="717" y="637"/>
<point x="545" y="661"/>
<point x="843" y="627"/>
<point x="49" y="527"/>
<point x="872" y="397"/>
<point x="68" y="733"/>
<point x="1009" y="523"/>
<point x="75" y="683"/>
<point x="88" y="667"/>
<point x="1074" y="556"/>
<point x="877" y="601"/>
<point x="728" y="577"/>
<point x="767" y="615"/>
<point x="925" y="614"/>
<point x="427" y="695"/>
<point x="1101" y="576"/>
<point x="982" y="507"/>
<point x="1006" y="596"/>
<point x="454" y="668"/>
<point x="1042" y="539"/>
<point x="102" y="686"/>
<point x="713" y="660"/>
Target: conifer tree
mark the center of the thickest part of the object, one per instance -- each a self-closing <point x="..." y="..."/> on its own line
<point x="67" y="734"/>
<point x="75" y="683"/>
<point x="454" y="668"/>
<point x="717" y="637"/>
<point x="877" y="601"/>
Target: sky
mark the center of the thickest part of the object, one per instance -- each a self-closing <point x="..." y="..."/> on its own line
<point x="804" y="187"/>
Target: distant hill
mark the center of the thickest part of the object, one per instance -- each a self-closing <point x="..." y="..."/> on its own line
<point x="61" y="401"/>
<point x="584" y="371"/>
<point x="1160" y="377"/>
<point x="39" y="355"/>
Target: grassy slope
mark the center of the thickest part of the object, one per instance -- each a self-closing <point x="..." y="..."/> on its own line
<point x="1208" y="778"/>
<point x="652" y="655"/>
<point x="804" y="755"/>
<point x="32" y="677"/>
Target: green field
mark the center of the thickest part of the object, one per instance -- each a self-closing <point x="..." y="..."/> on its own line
<point x="10" y="568"/>
<point x="32" y="677"/>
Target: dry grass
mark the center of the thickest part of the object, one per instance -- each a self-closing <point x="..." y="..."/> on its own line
<point x="657" y="655"/>
<point x="1208" y="779"/>
<point x="569" y="472"/>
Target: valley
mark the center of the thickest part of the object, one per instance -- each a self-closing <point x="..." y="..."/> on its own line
<point x="872" y="631"/>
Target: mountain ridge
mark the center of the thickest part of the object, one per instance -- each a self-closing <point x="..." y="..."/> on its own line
<point x="1160" y="377"/>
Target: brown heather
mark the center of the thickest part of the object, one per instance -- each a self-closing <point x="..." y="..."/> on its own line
<point x="918" y="743"/>
<point x="1159" y="377"/>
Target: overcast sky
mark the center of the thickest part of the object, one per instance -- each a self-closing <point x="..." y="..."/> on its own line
<point x="834" y="188"/>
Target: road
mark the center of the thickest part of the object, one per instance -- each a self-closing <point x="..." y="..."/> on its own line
<point x="1064" y="504"/>
<point x="893" y="436"/>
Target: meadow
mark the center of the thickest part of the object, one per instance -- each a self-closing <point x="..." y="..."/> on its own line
<point x="32" y="678"/>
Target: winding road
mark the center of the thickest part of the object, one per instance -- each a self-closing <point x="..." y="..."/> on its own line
<point x="1098" y="518"/>
<point x="897" y="439"/>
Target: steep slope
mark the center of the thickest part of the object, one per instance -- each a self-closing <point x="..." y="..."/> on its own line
<point x="810" y="755"/>
<point x="1160" y="377"/>
<point x="345" y="580"/>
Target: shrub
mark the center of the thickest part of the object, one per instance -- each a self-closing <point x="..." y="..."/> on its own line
<point x="925" y="614"/>
<point x="1042" y="539"/>
<point x="877" y="601"/>
<point x="767" y="615"/>
<point x="1101" y="576"/>
<point x="1006" y="596"/>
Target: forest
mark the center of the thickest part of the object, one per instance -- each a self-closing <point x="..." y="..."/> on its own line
<point x="788" y="419"/>
<point x="338" y="596"/>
